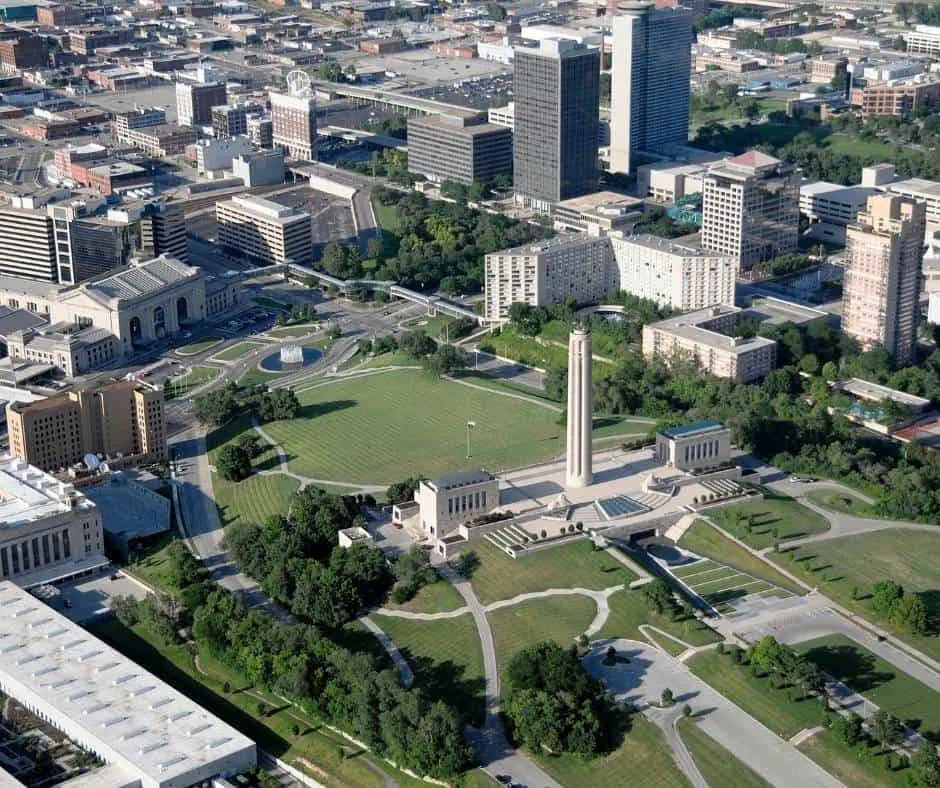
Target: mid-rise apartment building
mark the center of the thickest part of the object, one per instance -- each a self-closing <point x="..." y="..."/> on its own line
<point x="264" y="230"/>
<point x="750" y="208"/>
<point x="650" y="96"/>
<point x="672" y="273"/>
<point x="123" y="421"/>
<point x="138" y="118"/>
<point x="545" y="272"/>
<point x="50" y="530"/>
<point x="19" y="50"/>
<point x="902" y="99"/>
<point x="294" y="125"/>
<point x="556" y="90"/>
<point x="229" y="121"/>
<point x="881" y="288"/>
<point x="703" y="338"/>
<point x="194" y="102"/>
<point x="923" y="40"/>
<point x="27" y="244"/>
<point x="458" y="148"/>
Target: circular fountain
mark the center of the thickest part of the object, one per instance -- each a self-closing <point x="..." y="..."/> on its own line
<point x="289" y="358"/>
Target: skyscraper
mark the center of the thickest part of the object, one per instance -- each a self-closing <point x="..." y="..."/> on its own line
<point x="652" y="65"/>
<point x="882" y="282"/>
<point x="556" y="90"/>
<point x="751" y="208"/>
<point x="294" y="124"/>
<point x="578" y="470"/>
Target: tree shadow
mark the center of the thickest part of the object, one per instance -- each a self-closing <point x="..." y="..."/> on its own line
<point x="931" y="600"/>
<point x="850" y="665"/>
<point x="323" y="408"/>
<point x="447" y="681"/>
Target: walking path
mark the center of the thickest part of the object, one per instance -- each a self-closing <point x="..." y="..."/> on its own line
<point x="493" y="750"/>
<point x="667" y="720"/>
<point x="284" y="468"/>
<point x="405" y="673"/>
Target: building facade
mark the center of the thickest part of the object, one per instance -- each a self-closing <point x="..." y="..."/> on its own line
<point x="556" y="92"/>
<point x="672" y="273"/>
<point x="449" y="501"/>
<point x="194" y="102"/>
<point x="457" y="148"/>
<point x="294" y="125"/>
<point x="51" y="531"/>
<point x="133" y="120"/>
<point x="694" y="447"/>
<point x="924" y="40"/>
<point x="229" y="121"/>
<point x="579" y="267"/>
<point x="750" y="208"/>
<point x="216" y="155"/>
<point x="900" y="99"/>
<point x="264" y="230"/>
<point x="650" y="97"/>
<point x="27" y="244"/>
<point x="261" y="168"/>
<point x="703" y="338"/>
<point x="881" y="288"/>
<point x="122" y="421"/>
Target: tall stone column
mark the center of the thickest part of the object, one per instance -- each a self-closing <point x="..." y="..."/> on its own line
<point x="580" y="406"/>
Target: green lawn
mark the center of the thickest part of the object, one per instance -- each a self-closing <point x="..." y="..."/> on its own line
<point x="446" y="658"/>
<point x="256" y="497"/>
<point x="575" y="565"/>
<point x="317" y="744"/>
<point x="234" y="352"/>
<point x="290" y="332"/>
<point x="701" y="538"/>
<point x="843" y="502"/>
<point x="509" y="343"/>
<point x="153" y="566"/>
<point x="387" y="217"/>
<point x="838" y="566"/>
<point x="755" y="695"/>
<point x="559" y="618"/>
<point x="717" y="765"/>
<point x="914" y="703"/>
<point x="859" y="767"/>
<point x="197" y="376"/>
<point x="198" y="347"/>
<point x="642" y="758"/>
<point x="439" y="597"/>
<point x="254" y="376"/>
<point x="773" y="518"/>
<point x="432" y="326"/>
<point x="628" y="610"/>
<point x="382" y="428"/>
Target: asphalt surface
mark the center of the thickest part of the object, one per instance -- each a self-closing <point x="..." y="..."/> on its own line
<point x="649" y="671"/>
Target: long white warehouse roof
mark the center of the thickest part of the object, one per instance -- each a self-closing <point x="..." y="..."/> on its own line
<point x="109" y="704"/>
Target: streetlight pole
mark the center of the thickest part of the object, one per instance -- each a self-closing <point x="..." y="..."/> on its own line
<point x="470" y="426"/>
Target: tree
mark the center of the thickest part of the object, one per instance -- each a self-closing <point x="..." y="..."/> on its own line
<point x="849" y="729"/>
<point x="658" y="596"/>
<point x="910" y="615"/>
<point x="341" y="260"/>
<point x="403" y="491"/>
<point x="277" y="405"/>
<point x="666" y="698"/>
<point x="926" y="766"/>
<point x="375" y="250"/>
<point x="887" y="729"/>
<point x="417" y="344"/>
<point x="185" y="570"/>
<point x="329" y="70"/>
<point x="478" y="191"/>
<point x="886" y="596"/>
<point x="496" y="12"/>
<point x="234" y="463"/>
<point x="216" y="408"/>
<point x="124" y="607"/>
<point x="446" y="360"/>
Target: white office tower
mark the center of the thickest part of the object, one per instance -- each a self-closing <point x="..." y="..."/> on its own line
<point x="652" y="64"/>
<point x="580" y="407"/>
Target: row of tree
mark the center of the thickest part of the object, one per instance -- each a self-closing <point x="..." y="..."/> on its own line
<point x="220" y="407"/>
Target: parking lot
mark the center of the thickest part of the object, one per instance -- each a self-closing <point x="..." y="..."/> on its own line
<point x="473" y="92"/>
<point x="88" y="597"/>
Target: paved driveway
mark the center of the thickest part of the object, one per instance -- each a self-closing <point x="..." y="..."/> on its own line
<point x="649" y="671"/>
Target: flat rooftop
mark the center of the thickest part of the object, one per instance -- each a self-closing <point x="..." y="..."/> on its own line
<point x="142" y="723"/>
<point x="563" y="239"/>
<point x="875" y="392"/>
<point x="695" y="428"/>
<point x="265" y="209"/>
<point x="671" y="245"/>
<point x="461" y="479"/>
<point x="28" y="494"/>
<point x="694" y="327"/>
<point x="593" y="202"/>
<point x="919" y="186"/>
<point x="777" y="310"/>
